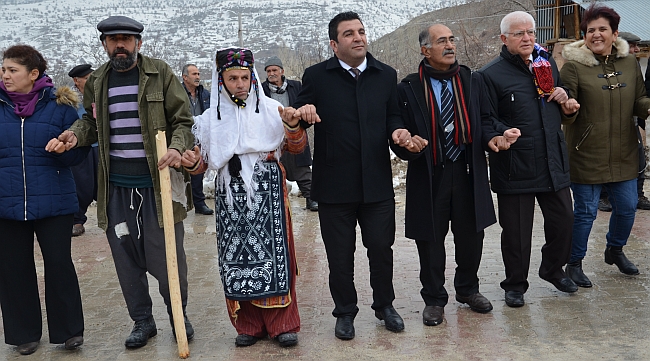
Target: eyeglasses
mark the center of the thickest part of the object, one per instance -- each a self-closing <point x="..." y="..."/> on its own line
<point x="520" y="34"/>
<point x="443" y="41"/>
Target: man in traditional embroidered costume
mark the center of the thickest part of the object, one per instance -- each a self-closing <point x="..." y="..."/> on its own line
<point x="528" y="102"/>
<point x="446" y="181"/>
<point x="242" y="138"/>
<point x="127" y="100"/>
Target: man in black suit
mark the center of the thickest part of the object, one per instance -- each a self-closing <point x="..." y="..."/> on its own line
<point x="356" y="99"/>
<point x="297" y="166"/>
<point x="446" y="181"/>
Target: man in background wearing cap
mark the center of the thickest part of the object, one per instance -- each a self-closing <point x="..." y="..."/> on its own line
<point x="127" y="100"/>
<point x="643" y="202"/>
<point x="199" y="102"/>
<point x="85" y="173"/>
<point x="297" y="166"/>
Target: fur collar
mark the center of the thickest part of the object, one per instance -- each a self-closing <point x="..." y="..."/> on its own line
<point x="579" y="52"/>
<point x="66" y="96"/>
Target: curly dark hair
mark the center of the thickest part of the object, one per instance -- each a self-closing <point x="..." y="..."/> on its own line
<point x="596" y="11"/>
<point x="334" y="23"/>
<point x="27" y="56"/>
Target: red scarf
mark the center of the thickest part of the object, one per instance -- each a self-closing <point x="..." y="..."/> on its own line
<point x="461" y="115"/>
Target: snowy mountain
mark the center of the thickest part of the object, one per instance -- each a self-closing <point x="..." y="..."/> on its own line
<point x="181" y="31"/>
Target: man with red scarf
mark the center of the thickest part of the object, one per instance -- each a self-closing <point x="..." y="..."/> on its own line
<point x="447" y="172"/>
<point x="528" y="105"/>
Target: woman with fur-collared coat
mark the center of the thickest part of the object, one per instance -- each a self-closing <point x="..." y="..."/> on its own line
<point x="37" y="196"/>
<point x="602" y="140"/>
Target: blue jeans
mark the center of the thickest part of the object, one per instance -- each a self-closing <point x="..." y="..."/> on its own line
<point x="622" y="196"/>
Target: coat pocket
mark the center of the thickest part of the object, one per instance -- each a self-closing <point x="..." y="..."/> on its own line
<point x="522" y="159"/>
<point x="156" y="110"/>
<point x="564" y="153"/>
<point x="584" y="135"/>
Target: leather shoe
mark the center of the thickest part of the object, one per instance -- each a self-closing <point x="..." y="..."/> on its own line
<point x="574" y="271"/>
<point x="432" y="315"/>
<point x="78" y="230"/>
<point x="73" y="342"/>
<point x="244" y="340"/>
<point x="189" y="330"/>
<point x="311" y="205"/>
<point x="203" y="209"/>
<point x="27" y="348"/>
<point x="391" y="318"/>
<point x="514" y="299"/>
<point x="615" y="255"/>
<point x="142" y="331"/>
<point x="344" y="328"/>
<point x="604" y="205"/>
<point x="644" y="203"/>
<point x="288" y="339"/>
<point x="564" y="284"/>
<point x="476" y="302"/>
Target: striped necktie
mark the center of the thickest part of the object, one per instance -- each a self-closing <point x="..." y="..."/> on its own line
<point x="356" y="73"/>
<point x="452" y="151"/>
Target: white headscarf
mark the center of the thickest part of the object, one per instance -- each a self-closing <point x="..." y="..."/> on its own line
<point x="240" y="131"/>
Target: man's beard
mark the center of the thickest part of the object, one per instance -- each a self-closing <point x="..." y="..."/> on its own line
<point x="123" y="63"/>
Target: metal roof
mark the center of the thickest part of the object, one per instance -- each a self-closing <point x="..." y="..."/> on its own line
<point x="634" y="15"/>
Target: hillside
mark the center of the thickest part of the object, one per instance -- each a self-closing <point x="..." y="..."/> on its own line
<point x="475" y="24"/>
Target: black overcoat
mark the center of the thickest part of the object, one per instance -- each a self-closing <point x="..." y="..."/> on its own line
<point x="351" y="155"/>
<point x="419" y="177"/>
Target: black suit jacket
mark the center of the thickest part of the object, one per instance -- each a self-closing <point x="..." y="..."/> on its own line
<point x="293" y="89"/>
<point x="419" y="177"/>
<point x="351" y="156"/>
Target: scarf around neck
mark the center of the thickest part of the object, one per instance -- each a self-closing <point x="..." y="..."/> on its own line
<point x="25" y="103"/>
<point x="461" y="116"/>
<point x="279" y="89"/>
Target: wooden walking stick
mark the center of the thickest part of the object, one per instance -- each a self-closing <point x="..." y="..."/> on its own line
<point x="170" y="248"/>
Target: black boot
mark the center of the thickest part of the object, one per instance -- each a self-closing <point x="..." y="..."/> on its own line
<point x="574" y="271"/>
<point x="142" y="331"/>
<point x="615" y="255"/>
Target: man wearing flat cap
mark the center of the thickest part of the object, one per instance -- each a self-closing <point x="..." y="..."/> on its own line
<point x="85" y="173"/>
<point x="297" y="166"/>
<point x="127" y="100"/>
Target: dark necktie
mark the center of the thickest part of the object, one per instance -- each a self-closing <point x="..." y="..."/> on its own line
<point x="356" y="73"/>
<point x="447" y="114"/>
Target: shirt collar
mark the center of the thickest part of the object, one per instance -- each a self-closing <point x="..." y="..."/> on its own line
<point x="361" y="66"/>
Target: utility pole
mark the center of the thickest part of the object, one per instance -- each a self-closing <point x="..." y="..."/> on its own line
<point x="240" y="33"/>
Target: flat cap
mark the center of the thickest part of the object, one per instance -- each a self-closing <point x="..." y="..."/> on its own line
<point x="274" y="60"/>
<point x="80" y="70"/>
<point x="119" y="25"/>
<point x="629" y="37"/>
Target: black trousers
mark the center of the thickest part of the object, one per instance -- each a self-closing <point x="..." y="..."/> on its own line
<point x="516" y="219"/>
<point x="85" y="179"/>
<point x="19" y="298"/>
<point x="198" y="197"/>
<point x="298" y="174"/>
<point x="138" y="246"/>
<point x="453" y="201"/>
<point x="338" y="229"/>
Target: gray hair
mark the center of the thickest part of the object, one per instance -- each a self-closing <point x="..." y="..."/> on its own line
<point x="515" y="17"/>
<point x="425" y="39"/>
<point x="186" y="68"/>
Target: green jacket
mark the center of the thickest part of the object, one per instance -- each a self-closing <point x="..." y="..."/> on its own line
<point x="603" y="144"/>
<point x="163" y="105"/>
